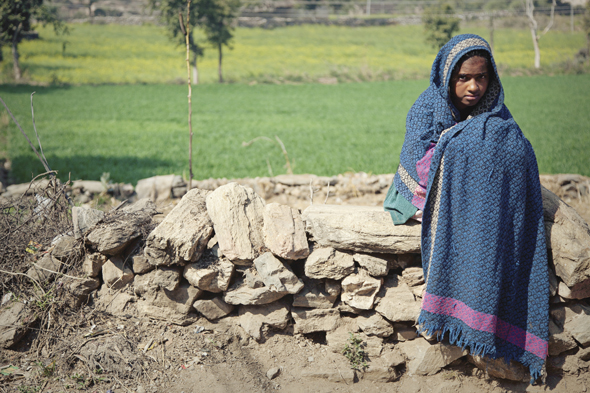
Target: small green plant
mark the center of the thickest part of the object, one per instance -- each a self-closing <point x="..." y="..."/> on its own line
<point x="29" y="389"/>
<point x="45" y="300"/>
<point x="355" y="353"/>
<point x="46" y="370"/>
<point x="80" y="380"/>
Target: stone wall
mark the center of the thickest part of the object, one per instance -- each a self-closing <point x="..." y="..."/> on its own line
<point x="327" y="270"/>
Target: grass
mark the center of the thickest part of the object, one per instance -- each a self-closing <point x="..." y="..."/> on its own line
<point x="137" y="131"/>
<point x="99" y="54"/>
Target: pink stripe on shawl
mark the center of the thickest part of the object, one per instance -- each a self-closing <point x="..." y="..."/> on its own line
<point x="485" y="323"/>
<point x="423" y="167"/>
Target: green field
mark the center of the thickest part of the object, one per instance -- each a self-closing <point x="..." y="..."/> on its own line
<point x="136" y="131"/>
<point x="98" y="54"/>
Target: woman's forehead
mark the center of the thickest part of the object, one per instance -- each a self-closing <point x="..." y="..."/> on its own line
<point x="473" y="65"/>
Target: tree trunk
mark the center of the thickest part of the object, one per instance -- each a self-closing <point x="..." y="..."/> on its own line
<point x="195" y="73"/>
<point x="15" y="56"/>
<point x="530" y="13"/>
<point x="536" y="47"/>
<point x="219" y="46"/>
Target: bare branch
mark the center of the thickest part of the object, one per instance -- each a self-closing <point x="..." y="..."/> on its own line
<point x="551" y="19"/>
<point x="26" y="136"/>
<point x="46" y="164"/>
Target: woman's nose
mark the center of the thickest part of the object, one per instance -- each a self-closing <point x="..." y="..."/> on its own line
<point x="473" y="86"/>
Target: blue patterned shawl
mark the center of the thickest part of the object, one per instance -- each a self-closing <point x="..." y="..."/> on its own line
<point x="483" y="240"/>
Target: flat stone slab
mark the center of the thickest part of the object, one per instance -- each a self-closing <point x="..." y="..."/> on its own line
<point x="366" y="229"/>
<point x="568" y="238"/>
<point x="428" y="359"/>
<point x="183" y="235"/>
<point x="283" y="232"/>
<point x="315" y="320"/>
<point x="396" y="302"/>
<point x="237" y="215"/>
<point x="16" y="320"/>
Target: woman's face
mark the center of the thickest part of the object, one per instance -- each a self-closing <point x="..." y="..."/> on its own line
<point x="470" y="83"/>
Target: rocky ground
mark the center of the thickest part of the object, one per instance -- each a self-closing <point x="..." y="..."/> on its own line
<point x="91" y="350"/>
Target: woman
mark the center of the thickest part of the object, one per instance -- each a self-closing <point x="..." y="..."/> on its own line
<point x="469" y="174"/>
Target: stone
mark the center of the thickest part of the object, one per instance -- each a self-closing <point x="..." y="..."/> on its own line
<point x="328" y="263"/>
<point x="428" y="359"/>
<point x="359" y="290"/>
<point x="44" y="269"/>
<point x="413" y="276"/>
<point x="80" y="289"/>
<point x="183" y="234"/>
<point x="242" y="294"/>
<point x="393" y="358"/>
<point x="403" y="332"/>
<point x="213" y="308"/>
<point x="210" y="274"/>
<point x="16" y="320"/>
<point x="163" y="277"/>
<point x="568" y="238"/>
<point x="396" y="302"/>
<point x="584" y="354"/>
<point x="116" y="274"/>
<point x="564" y="363"/>
<point x="118" y="229"/>
<point x="91" y="186"/>
<point x="253" y="318"/>
<point x="238" y="218"/>
<point x="284" y="233"/>
<point x="29" y="188"/>
<point x="140" y="264"/>
<point x="325" y="373"/>
<point x="574" y="319"/>
<point x="317" y="293"/>
<point x="315" y="320"/>
<point x="273" y="373"/>
<point x="553" y="282"/>
<point x="171" y="306"/>
<point x="418" y="290"/>
<point x="156" y="188"/>
<point x="379" y="373"/>
<point x="563" y="291"/>
<point x="500" y="369"/>
<point x="373" y="324"/>
<point x="115" y="302"/>
<point x="338" y="339"/>
<point x="404" y="260"/>
<point x="67" y="249"/>
<point x="276" y="275"/>
<point x="142" y="205"/>
<point x="365" y="229"/>
<point x="376" y="266"/>
<point x="559" y="341"/>
<point x="92" y="265"/>
<point x="252" y="279"/>
<point x="85" y="219"/>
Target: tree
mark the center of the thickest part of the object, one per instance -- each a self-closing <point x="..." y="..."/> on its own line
<point x="530" y="13"/>
<point x="217" y="17"/>
<point x="587" y="25"/>
<point x="170" y="9"/>
<point x="440" y="23"/>
<point x="16" y="17"/>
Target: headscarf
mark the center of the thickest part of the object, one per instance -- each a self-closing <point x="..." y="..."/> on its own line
<point x="483" y="239"/>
